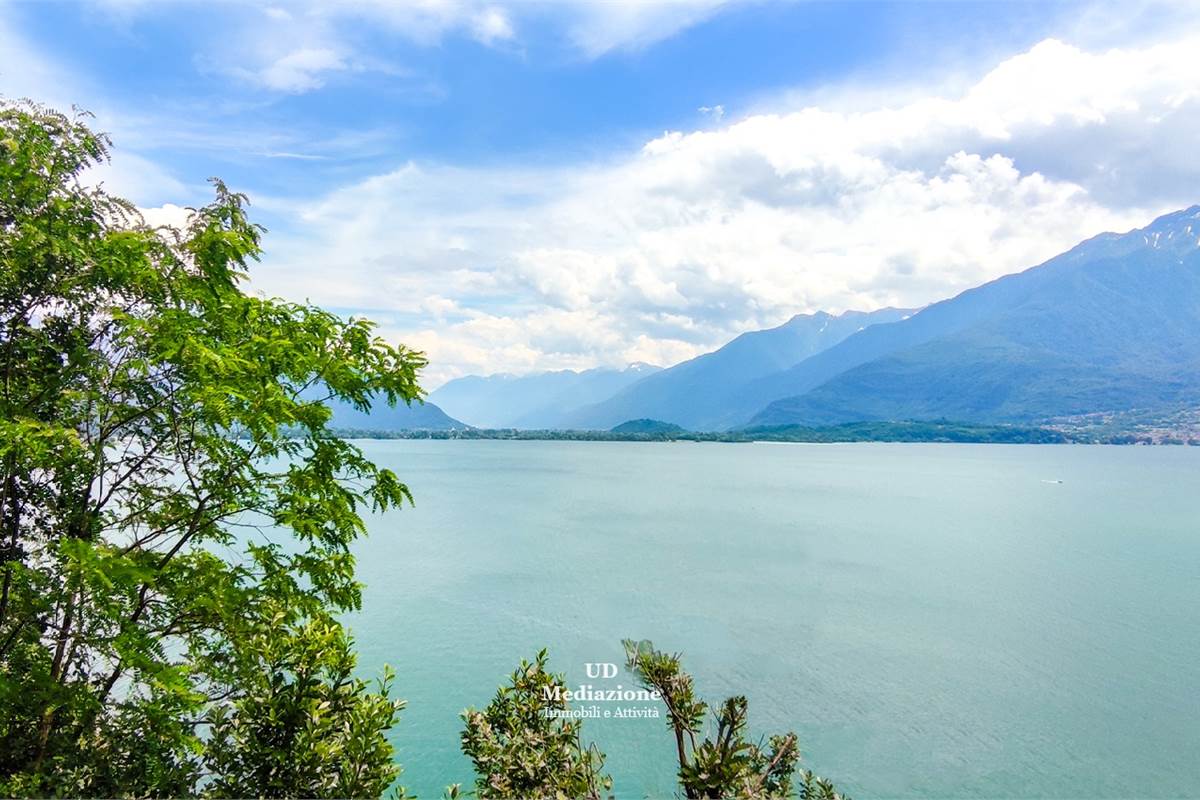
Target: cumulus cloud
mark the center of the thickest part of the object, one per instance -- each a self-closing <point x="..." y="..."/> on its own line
<point x="664" y="252"/>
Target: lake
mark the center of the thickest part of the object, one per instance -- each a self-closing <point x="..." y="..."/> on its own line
<point x="955" y="621"/>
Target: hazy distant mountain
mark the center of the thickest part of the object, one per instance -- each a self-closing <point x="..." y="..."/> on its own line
<point x="699" y="394"/>
<point x="418" y="416"/>
<point x="382" y="417"/>
<point x="1113" y="324"/>
<point x="532" y="401"/>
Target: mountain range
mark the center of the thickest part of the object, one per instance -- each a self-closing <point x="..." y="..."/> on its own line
<point x="1111" y="326"/>
<point x="542" y="400"/>
<point x="698" y="394"/>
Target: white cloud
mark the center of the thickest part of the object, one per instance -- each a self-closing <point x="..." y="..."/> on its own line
<point x="292" y="49"/>
<point x="167" y="214"/>
<point x="321" y="35"/>
<point x="491" y="25"/>
<point x="424" y="21"/>
<point x="300" y="70"/>
<point x="698" y="236"/>
<point x="547" y="339"/>
<point x="594" y="27"/>
<point x="602" y="26"/>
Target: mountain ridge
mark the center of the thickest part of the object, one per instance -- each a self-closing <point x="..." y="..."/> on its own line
<point x="420" y="416"/>
<point x="695" y="393"/>
<point x="1109" y="325"/>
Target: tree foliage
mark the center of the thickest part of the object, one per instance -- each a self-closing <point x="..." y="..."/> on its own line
<point x="726" y="764"/>
<point x="175" y="519"/>
<point x="522" y="750"/>
<point x="302" y="725"/>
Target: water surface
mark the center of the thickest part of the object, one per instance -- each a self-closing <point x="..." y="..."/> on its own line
<point x="932" y="620"/>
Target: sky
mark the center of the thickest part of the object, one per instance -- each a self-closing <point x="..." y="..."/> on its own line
<point x="527" y="186"/>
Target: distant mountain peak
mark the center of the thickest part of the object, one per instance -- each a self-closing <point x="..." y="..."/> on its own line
<point x="850" y="313"/>
<point x="801" y="319"/>
<point x="1175" y="218"/>
<point x="1174" y="232"/>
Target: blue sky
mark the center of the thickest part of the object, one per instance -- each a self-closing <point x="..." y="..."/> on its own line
<point x="526" y="186"/>
<point x="406" y="93"/>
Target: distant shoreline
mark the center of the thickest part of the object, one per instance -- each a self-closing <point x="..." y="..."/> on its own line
<point x="894" y="432"/>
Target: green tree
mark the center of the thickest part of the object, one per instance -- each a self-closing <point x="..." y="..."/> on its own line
<point x="302" y="725"/>
<point x="725" y="765"/>
<point x="175" y="519"/>
<point x="522" y="750"/>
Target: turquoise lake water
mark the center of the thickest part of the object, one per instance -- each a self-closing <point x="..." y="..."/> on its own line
<point x="932" y="620"/>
